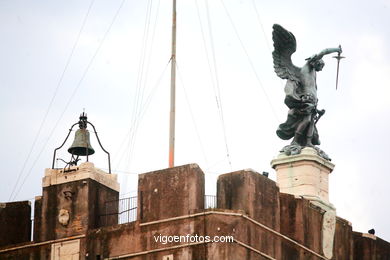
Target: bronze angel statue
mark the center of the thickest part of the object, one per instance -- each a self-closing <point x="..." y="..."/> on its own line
<point x="301" y="91"/>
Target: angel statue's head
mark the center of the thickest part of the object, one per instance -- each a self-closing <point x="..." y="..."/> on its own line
<point x="318" y="65"/>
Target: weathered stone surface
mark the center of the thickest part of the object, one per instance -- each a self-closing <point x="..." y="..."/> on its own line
<point x="84" y="171"/>
<point x="37" y="218"/>
<point x="246" y="202"/>
<point x="302" y="222"/>
<point x="343" y="242"/>
<point x="41" y="252"/>
<point x="370" y="247"/>
<point x="171" y="192"/>
<point x="250" y="192"/>
<point x="328" y="232"/>
<point x="257" y="196"/>
<point x="305" y="174"/>
<point x="66" y="250"/>
<point x="77" y="199"/>
<point x="15" y="219"/>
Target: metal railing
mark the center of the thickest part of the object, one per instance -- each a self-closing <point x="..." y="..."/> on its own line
<point x="125" y="210"/>
<point x="119" y="211"/>
<point x="210" y="201"/>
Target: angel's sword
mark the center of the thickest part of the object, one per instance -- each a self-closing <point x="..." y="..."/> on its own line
<point x="338" y="57"/>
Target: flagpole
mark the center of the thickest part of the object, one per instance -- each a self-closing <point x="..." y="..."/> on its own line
<point x="173" y="91"/>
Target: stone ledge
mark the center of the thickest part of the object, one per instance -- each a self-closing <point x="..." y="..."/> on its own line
<point x="86" y="170"/>
<point x="371" y="236"/>
<point x="307" y="154"/>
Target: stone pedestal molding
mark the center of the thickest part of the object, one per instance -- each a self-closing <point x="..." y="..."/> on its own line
<point x="305" y="174"/>
<point x="84" y="171"/>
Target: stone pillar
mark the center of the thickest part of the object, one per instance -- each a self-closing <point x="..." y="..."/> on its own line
<point x="170" y="193"/>
<point x="258" y="197"/>
<point x="305" y="174"/>
<point x="15" y="222"/>
<point x="73" y="200"/>
<point x="250" y="192"/>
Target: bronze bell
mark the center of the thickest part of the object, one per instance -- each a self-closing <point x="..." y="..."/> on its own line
<point x="81" y="144"/>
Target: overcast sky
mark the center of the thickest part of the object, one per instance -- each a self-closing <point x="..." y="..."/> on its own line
<point x="110" y="57"/>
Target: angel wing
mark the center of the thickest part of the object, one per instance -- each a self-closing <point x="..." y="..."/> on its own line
<point x="284" y="46"/>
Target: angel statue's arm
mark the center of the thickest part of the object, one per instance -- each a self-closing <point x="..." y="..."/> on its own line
<point x="325" y="52"/>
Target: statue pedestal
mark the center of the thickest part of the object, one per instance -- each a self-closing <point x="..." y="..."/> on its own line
<point x="305" y="174"/>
